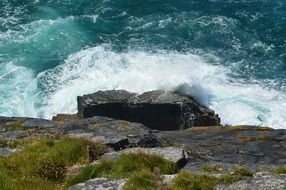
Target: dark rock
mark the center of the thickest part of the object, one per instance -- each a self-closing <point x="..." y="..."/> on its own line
<point x="156" y="109"/>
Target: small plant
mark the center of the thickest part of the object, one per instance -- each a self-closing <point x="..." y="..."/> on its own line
<point x="279" y="170"/>
<point x="143" y="180"/>
<point x="210" y="168"/>
<point x="187" y="180"/>
<point x="242" y="171"/>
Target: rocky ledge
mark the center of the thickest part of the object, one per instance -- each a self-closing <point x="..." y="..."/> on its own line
<point x="90" y="151"/>
<point x="156" y="109"/>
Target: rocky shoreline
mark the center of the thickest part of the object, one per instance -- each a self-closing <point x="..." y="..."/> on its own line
<point x="167" y="124"/>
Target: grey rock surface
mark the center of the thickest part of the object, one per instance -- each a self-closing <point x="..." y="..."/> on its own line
<point x="246" y="145"/>
<point x="6" y="151"/>
<point x="99" y="184"/>
<point x="260" y="181"/>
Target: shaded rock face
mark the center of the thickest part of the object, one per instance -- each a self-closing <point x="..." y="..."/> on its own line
<point x="156" y="109"/>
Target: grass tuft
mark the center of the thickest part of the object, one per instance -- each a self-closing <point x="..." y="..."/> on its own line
<point x="143" y="180"/>
<point x="187" y="180"/>
<point x="42" y="162"/>
<point x="279" y="170"/>
<point x="124" y="166"/>
<point x="242" y="171"/>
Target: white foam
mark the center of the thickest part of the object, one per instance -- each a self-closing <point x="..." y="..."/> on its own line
<point x="100" y="68"/>
<point x="18" y="91"/>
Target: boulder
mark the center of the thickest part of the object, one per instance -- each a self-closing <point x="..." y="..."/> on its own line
<point x="156" y="109"/>
<point x="100" y="184"/>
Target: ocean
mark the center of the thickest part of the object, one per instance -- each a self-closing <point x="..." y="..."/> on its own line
<point x="229" y="54"/>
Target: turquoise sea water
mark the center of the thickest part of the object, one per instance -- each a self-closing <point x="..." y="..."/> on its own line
<point x="230" y="54"/>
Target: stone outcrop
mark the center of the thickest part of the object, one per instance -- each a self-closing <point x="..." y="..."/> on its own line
<point x="260" y="181"/>
<point x="99" y="184"/>
<point x="156" y="109"/>
<point x="117" y="134"/>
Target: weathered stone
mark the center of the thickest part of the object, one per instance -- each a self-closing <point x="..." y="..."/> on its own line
<point x="38" y="123"/>
<point x="174" y="154"/>
<point x="6" y="151"/>
<point x="2" y="129"/>
<point x="156" y="109"/>
<point x="100" y="184"/>
<point x="115" y="133"/>
<point x="260" y="181"/>
<point x="252" y="147"/>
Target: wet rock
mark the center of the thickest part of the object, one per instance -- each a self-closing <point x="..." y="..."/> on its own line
<point x="100" y="184"/>
<point x="156" y="109"/>
<point x="260" y="181"/>
<point x="173" y="154"/>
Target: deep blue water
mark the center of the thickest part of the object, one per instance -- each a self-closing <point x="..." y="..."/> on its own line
<point x="230" y="54"/>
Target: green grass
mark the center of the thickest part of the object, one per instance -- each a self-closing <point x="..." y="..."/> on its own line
<point x="42" y="162"/>
<point x="143" y="180"/>
<point x="124" y="166"/>
<point x="242" y="171"/>
<point x="279" y="170"/>
<point x="189" y="181"/>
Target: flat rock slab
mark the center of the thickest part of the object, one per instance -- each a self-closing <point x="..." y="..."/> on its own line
<point x="155" y="109"/>
<point x="116" y="133"/>
<point x="99" y="184"/>
<point x="260" y="181"/>
<point x="247" y="145"/>
<point x="173" y="154"/>
<point x="37" y="123"/>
